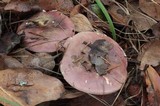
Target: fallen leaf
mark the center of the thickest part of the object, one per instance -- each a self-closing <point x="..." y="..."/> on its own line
<point x="38" y="60"/>
<point x="150" y="8"/>
<point x="134" y="89"/>
<point x="118" y="14"/>
<point x="153" y="87"/>
<point x="156" y="1"/>
<point x="29" y="87"/>
<point x="6" y="1"/>
<point x="107" y="2"/>
<point x="76" y="9"/>
<point x="49" y="4"/>
<point x="66" y="6"/>
<point x="96" y="100"/>
<point x="154" y="77"/>
<point x="81" y="23"/>
<point x="8" y="41"/>
<point x="71" y="94"/>
<point x="156" y="30"/>
<point x="0" y="24"/>
<point x="19" y="6"/>
<point x="140" y="20"/>
<point x="150" y="55"/>
<point x="11" y="62"/>
<point x="2" y="65"/>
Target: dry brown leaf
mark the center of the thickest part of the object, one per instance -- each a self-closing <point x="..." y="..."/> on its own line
<point x="156" y="1"/>
<point x="151" y="54"/>
<point x="37" y="60"/>
<point x="107" y="2"/>
<point x="154" y="77"/>
<point x="141" y="22"/>
<point x="94" y="100"/>
<point x="118" y="14"/>
<point x="66" y="6"/>
<point x="75" y="10"/>
<point x="151" y="8"/>
<point x="153" y="86"/>
<point x="29" y="87"/>
<point x="2" y="65"/>
<point x="5" y="1"/>
<point x="71" y="94"/>
<point x="49" y="4"/>
<point x="81" y="23"/>
<point x="8" y="41"/>
<point x="11" y="62"/>
<point x="156" y="30"/>
<point x="20" y="6"/>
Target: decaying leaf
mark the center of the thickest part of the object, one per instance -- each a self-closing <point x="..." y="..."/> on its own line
<point x="76" y="9"/>
<point x="150" y="8"/>
<point x="8" y="41"/>
<point x="140" y="20"/>
<point x="118" y="14"/>
<point x="11" y="62"/>
<point x="5" y="1"/>
<point x="81" y="23"/>
<point x="49" y="4"/>
<point x="19" y="6"/>
<point x="38" y="60"/>
<point x="71" y="94"/>
<point x="153" y="86"/>
<point x="29" y="87"/>
<point x="106" y="2"/>
<point x="156" y="30"/>
<point x="0" y="24"/>
<point x="27" y="5"/>
<point x="150" y="55"/>
<point x="100" y="100"/>
<point x="66" y="6"/>
<point x="156" y="1"/>
<point x="2" y="65"/>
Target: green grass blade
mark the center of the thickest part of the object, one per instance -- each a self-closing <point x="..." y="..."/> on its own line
<point x="9" y="102"/>
<point x="111" y="26"/>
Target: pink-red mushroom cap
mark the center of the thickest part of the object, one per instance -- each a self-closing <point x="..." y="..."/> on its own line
<point x="45" y="31"/>
<point x="89" y="81"/>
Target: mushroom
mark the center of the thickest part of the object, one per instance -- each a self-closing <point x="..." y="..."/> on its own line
<point x="78" y="70"/>
<point x="45" y="31"/>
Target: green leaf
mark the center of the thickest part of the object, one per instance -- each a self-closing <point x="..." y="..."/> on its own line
<point x="106" y="14"/>
<point x="9" y="102"/>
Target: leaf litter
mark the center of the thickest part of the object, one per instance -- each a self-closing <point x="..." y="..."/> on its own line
<point x="36" y="46"/>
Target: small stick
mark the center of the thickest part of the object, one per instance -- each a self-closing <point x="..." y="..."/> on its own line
<point x="105" y="60"/>
<point x="78" y="59"/>
<point x="112" y="65"/>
